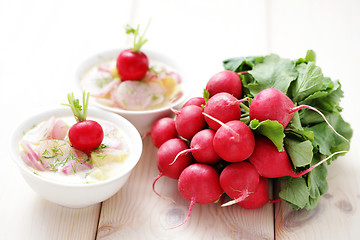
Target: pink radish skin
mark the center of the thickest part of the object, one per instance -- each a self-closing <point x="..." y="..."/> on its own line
<point x="259" y="198"/>
<point x="271" y="163"/>
<point x="199" y="183"/>
<point x="271" y="104"/>
<point x="274" y="105"/>
<point x="224" y="107"/>
<point x="166" y="155"/>
<point x="225" y="81"/>
<point x="234" y="141"/>
<point x="201" y="147"/>
<point x="197" y="101"/>
<point x="189" y="120"/>
<point x="163" y="130"/>
<point x="239" y="180"/>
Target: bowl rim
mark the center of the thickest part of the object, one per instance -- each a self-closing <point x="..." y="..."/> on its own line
<point x="93" y="59"/>
<point x="35" y="118"/>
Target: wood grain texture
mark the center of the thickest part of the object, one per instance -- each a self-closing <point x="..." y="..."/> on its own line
<point x="136" y="212"/>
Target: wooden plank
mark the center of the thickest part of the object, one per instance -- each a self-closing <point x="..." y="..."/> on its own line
<point x="137" y="212"/>
<point x="329" y="28"/>
<point x="44" y="43"/>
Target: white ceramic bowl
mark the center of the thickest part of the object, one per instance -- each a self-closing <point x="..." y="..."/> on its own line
<point x="77" y="195"/>
<point x="142" y="120"/>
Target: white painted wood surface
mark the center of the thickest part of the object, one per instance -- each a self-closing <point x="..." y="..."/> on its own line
<point x="43" y="42"/>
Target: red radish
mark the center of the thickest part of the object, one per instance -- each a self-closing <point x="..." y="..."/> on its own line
<point x="166" y="155"/>
<point x="197" y="101"/>
<point x="201" y="147"/>
<point x="163" y="130"/>
<point x="85" y="135"/>
<point x="132" y="64"/>
<point x="271" y="163"/>
<point x="259" y="198"/>
<point x="274" y="105"/>
<point x="189" y="120"/>
<point x="234" y="141"/>
<point x="224" y="107"/>
<point x="225" y="81"/>
<point x="199" y="183"/>
<point x="239" y="180"/>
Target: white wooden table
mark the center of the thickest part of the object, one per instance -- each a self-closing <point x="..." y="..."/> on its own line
<point x="42" y="43"/>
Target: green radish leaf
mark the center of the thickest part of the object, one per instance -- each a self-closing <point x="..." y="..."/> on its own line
<point x="308" y="82"/>
<point x="295" y="192"/>
<point x="273" y="72"/>
<point x="316" y="179"/>
<point x="300" y="153"/>
<point x="325" y="140"/>
<point x="313" y="202"/>
<point x="240" y="64"/>
<point x="270" y="129"/>
<point x="310" y="57"/>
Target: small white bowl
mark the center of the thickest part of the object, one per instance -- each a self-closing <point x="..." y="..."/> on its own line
<point x="142" y="120"/>
<point x="77" y="195"/>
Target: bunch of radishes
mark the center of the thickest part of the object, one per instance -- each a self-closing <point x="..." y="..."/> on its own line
<point x="220" y="143"/>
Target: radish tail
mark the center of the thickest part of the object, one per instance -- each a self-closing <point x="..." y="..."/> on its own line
<point x="222" y="124"/>
<point x="174" y="110"/>
<point x="145" y="135"/>
<point x="299" y="174"/>
<point x="182" y="152"/>
<point x="240" y="100"/>
<point x="239" y="199"/>
<point x="275" y="200"/>
<point x="153" y="187"/>
<point x="192" y="203"/>
<point x="322" y="115"/>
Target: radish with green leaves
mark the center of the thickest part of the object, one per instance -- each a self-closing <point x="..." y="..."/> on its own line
<point x="85" y="135"/>
<point x="272" y="163"/>
<point x="133" y="64"/>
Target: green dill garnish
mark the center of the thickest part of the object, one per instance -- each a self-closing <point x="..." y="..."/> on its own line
<point x="101" y="82"/>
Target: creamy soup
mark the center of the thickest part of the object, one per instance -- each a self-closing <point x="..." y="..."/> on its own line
<point x="160" y="86"/>
<point x="46" y="150"/>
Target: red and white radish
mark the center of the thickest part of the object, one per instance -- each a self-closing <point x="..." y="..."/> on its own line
<point x="259" y="198"/>
<point x="163" y="130"/>
<point x="271" y="163"/>
<point x="189" y="120"/>
<point x="132" y="64"/>
<point x="272" y="104"/>
<point x="225" y="81"/>
<point x="197" y="101"/>
<point x="234" y="141"/>
<point x="166" y="155"/>
<point x="85" y="135"/>
<point x="239" y="180"/>
<point x="224" y="107"/>
<point x="201" y="147"/>
<point x="199" y="183"/>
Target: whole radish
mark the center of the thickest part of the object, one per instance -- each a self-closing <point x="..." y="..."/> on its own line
<point x="197" y="101"/>
<point x="225" y="81"/>
<point x="234" y="141"/>
<point x="166" y="155"/>
<point x="189" y="120"/>
<point x="85" y="135"/>
<point x="259" y="198"/>
<point x="222" y="106"/>
<point x="271" y="163"/>
<point x="163" y="130"/>
<point x="199" y="183"/>
<point x="272" y="104"/>
<point x="132" y="64"/>
<point x="239" y="180"/>
<point x="201" y="147"/>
